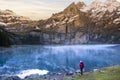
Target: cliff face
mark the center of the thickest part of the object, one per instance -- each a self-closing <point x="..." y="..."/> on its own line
<point x="105" y="19"/>
<point x="68" y="26"/>
<point x="76" y="24"/>
<point x="96" y="23"/>
<point x="4" y="39"/>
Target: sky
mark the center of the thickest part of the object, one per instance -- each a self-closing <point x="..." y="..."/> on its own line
<point x="37" y="9"/>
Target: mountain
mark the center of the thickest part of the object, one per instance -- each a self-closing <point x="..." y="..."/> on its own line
<point x="16" y="23"/>
<point x="68" y="24"/>
<point x="105" y="17"/>
<point x="8" y="16"/>
<point x="98" y="22"/>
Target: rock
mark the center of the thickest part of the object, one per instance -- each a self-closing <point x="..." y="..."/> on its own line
<point x="54" y="79"/>
<point x="70" y="73"/>
<point x="95" y="70"/>
<point x="59" y="73"/>
<point x="33" y="76"/>
<point x="101" y="71"/>
<point x="12" y="78"/>
<point x="46" y="77"/>
<point x="2" y="77"/>
<point x="78" y="71"/>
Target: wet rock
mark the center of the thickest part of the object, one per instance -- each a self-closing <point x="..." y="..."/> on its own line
<point x="54" y="79"/>
<point x="95" y="70"/>
<point x="46" y="77"/>
<point x="70" y="73"/>
<point x="12" y="78"/>
<point x="78" y="71"/>
<point x="51" y="73"/>
<point x="1" y="77"/>
<point x="59" y="73"/>
<point x="33" y="76"/>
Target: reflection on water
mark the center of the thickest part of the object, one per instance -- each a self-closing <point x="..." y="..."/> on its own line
<point x="57" y="58"/>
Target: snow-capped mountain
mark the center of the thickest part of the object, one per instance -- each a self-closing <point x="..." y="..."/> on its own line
<point x="96" y="22"/>
<point x="76" y="13"/>
<point x="105" y="10"/>
<point x="97" y="11"/>
<point x="15" y="23"/>
<point x="70" y="16"/>
<point x="8" y="16"/>
<point x="106" y="19"/>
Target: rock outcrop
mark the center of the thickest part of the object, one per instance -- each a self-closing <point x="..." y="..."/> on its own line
<point x="4" y="39"/>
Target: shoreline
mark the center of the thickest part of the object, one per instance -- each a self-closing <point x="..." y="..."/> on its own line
<point x="53" y="76"/>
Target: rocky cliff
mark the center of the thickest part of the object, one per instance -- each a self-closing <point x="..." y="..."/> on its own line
<point x="105" y="19"/>
<point x="96" y="23"/>
<point x="4" y="39"/>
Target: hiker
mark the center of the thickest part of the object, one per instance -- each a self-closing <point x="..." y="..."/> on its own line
<point x="81" y="65"/>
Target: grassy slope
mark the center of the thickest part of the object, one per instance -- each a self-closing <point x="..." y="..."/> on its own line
<point x="110" y="73"/>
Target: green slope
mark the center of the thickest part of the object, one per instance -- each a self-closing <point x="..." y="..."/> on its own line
<point x="109" y="73"/>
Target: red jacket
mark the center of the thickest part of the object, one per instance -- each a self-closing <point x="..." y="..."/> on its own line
<point x="81" y="64"/>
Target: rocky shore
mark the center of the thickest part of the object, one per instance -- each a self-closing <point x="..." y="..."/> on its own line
<point x="107" y="73"/>
<point x="49" y="76"/>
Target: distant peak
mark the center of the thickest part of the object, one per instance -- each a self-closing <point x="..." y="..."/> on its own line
<point x="71" y="5"/>
<point x="7" y="12"/>
<point x="80" y="4"/>
<point x="72" y="9"/>
<point x="97" y="1"/>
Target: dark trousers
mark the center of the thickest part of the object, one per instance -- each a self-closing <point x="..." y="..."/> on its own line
<point x="81" y="71"/>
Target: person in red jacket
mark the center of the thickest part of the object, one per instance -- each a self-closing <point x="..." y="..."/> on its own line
<point x="81" y="65"/>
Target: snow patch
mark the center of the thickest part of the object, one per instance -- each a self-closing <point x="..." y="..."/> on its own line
<point x="3" y="24"/>
<point x="116" y="21"/>
<point x="48" y="25"/>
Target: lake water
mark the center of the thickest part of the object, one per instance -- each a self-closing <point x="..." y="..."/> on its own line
<point x="28" y="58"/>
